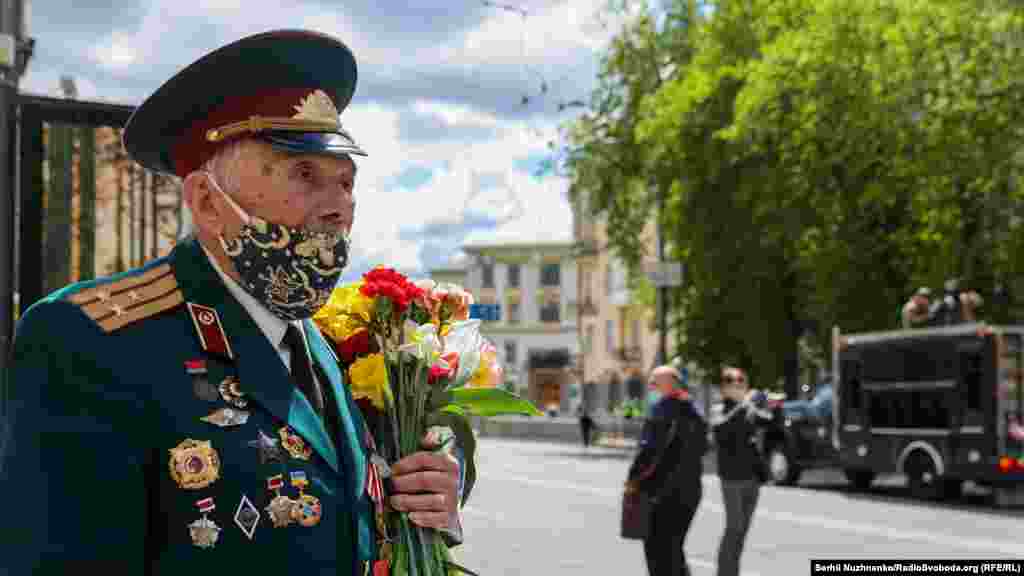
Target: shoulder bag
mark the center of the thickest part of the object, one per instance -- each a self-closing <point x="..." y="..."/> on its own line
<point x="637" y="505"/>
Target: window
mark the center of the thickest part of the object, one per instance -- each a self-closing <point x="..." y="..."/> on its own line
<point x="971" y="374"/>
<point x="549" y="312"/>
<point x="488" y="275"/>
<point x="510" y="352"/>
<point x="851" y="391"/>
<point x="513" y="312"/>
<point x="513" y="275"/>
<point x="550" y="274"/>
<point x="609" y="336"/>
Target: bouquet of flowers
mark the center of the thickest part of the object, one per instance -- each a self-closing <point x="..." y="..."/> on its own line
<point x="416" y="364"/>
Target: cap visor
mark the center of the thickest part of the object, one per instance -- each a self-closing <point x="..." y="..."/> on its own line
<point x="329" y="143"/>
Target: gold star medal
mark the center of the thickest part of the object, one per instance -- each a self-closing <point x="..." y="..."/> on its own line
<point x="280" y="507"/>
<point x="294" y="444"/>
<point x="307" y="511"/>
<point x="204" y="532"/>
<point x="194" y="464"/>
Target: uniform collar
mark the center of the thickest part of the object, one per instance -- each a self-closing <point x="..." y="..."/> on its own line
<point x="273" y="327"/>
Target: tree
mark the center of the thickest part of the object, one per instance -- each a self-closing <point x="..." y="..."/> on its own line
<point x="822" y="158"/>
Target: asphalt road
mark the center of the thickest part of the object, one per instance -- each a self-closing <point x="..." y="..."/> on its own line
<point x="544" y="509"/>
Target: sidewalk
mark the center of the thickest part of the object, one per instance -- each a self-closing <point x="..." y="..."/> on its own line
<point x="620" y="434"/>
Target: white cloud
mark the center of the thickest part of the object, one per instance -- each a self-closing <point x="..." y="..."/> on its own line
<point x="526" y="209"/>
<point x="116" y="52"/>
<point x="454" y="115"/>
<point x="555" y="39"/>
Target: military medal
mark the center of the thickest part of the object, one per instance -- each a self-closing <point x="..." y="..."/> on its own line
<point x="280" y="507"/>
<point x="270" y="448"/>
<point x="247" y="517"/>
<point x="307" y="509"/>
<point x="227" y="417"/>
<point x="231" y="392"/>
<point x="200" y="382"/>
<point x="194" y="464"/>
<point x="204" y="532"/>
<point x="294" y="444"/>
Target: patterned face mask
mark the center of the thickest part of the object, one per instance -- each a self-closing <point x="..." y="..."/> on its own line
<point x="291" y="271"/>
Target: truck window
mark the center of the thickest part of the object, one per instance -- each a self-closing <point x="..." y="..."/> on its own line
<point x="892" y="409"/>
<point x="972" y="381"/>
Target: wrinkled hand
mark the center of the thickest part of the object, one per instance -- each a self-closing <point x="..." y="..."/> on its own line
<point x="426" y="485"/>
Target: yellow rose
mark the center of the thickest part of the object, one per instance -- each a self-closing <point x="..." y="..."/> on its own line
<point x="346" y="312"/>
<point x="489" y="373"/>
<point x="368" y="379"/>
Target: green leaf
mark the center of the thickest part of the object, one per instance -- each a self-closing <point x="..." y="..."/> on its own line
<point x="491" y="402"/>
<point x="466" y="439"/>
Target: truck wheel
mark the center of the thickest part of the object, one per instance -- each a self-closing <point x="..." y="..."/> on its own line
<point x="781" y="469"/>
<point x="922" y="477"/>
<point x="860" y="479"/>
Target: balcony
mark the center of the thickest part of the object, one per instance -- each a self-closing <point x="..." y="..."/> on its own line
<point x="588" y="308"/>
<point x="631" y="354"/>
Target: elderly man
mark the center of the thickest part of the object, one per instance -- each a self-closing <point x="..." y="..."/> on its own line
<point x="668" y="467"/>
<point x="187" y="417"/>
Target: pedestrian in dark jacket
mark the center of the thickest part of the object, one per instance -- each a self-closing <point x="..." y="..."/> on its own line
<point x="586" y="426"/>
<point x="668" y="467"/>
<point x="740" y="466"/>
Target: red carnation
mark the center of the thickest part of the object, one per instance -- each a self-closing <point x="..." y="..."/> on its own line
<point x="353" y="346"/>
<point x="392" y="285"/>
<point x="437" y="372"/>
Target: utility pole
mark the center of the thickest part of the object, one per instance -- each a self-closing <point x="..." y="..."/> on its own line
<point x="15" y="51"/>
<point x="663" y="289"/>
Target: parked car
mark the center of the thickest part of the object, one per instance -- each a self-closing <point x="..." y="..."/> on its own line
<point x="799" y="437"/>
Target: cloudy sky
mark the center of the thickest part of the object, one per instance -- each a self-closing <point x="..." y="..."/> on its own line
<point x="439" y="106"/>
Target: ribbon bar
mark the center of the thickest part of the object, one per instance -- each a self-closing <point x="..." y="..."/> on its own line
<point x="206" y="505"/>
<point x="195" y="366"/>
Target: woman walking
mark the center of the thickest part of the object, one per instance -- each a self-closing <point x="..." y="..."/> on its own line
<point x="740" y="467"/>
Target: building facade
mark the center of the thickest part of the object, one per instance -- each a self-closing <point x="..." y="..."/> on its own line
<point x="618" y="334"/>
<point x="536" y="336"/>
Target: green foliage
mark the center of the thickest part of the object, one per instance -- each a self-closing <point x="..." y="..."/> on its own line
<point x="633" y="408"/>
<point x="820" y="158"/>
<point x="490" y="402"/>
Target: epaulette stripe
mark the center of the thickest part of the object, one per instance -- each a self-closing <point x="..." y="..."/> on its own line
<point x="104" y="291"/>
<point x="152" y="295"/>
<point x="100" y="310"/>
<point x="150" y="308"/>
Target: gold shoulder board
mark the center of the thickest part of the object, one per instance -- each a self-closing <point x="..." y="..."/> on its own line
<point x="116" y="304"/>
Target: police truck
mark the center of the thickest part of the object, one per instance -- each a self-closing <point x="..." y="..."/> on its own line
<point x="941" y="405"/>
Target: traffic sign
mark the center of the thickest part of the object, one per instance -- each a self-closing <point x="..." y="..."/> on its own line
<point x="665" y="274"/>
<point x="485" y="312"/>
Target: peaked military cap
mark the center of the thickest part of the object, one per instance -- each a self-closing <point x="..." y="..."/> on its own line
<point x="287" y="87"/>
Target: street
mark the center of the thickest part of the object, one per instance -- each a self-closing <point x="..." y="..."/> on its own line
<point x="545" y="508"/>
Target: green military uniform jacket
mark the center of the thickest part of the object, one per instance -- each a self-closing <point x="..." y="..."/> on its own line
<point x="98" y="398"/>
